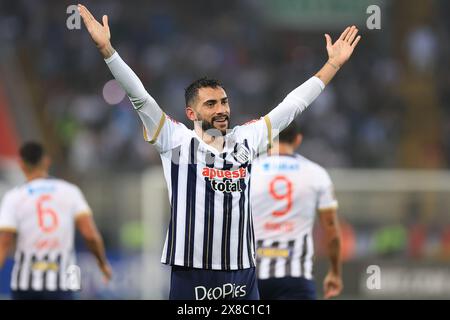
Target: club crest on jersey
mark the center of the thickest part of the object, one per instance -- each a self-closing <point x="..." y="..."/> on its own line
<point x="242" y="154"/>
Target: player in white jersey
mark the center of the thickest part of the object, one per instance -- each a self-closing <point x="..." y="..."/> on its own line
<point x="210" y="239"/>
<point x="288" y="191"/>
<point x="40" y="217"/>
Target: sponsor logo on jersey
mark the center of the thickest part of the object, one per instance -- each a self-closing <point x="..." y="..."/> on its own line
<point x="275" y="167"/>
<point x="225" y="180"/>
<point x="40" y="189"/>
<point x="273" y="253"/>
<point x="226" y="291"/>
<point x="284" y="226"/>
<point x="47" y="244"/>
<point x="44" y="266"/>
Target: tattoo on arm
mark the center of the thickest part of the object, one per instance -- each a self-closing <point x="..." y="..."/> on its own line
<point x="330" y="222"/>
<point x="334" y="251"/>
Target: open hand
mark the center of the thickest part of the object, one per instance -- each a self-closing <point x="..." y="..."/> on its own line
<point x="100" y="34"/>
<point x="340" y="51"/>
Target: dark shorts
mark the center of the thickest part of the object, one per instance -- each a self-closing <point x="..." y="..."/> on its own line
<point x="288" y="288"/>
<point x="199" y="284"/>
<point x="42" y="295"/>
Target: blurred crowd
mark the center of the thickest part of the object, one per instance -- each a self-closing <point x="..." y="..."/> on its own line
<point x="356" y="122"/>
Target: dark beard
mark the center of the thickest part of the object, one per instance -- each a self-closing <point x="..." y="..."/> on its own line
<point x="206" y="125"/>
<point x="209" y="127"/>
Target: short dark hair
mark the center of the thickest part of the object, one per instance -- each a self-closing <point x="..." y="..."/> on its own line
<point x="191" y="91"/>
<point x="289" y="134"/>
<point x="32" y="153"/>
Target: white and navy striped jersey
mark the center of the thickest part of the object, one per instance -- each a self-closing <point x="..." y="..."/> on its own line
<point x="287" y="191"/>
<point x="210" y="221"/>
<point x="42" y="213"/>
<point x="210" y="225"/>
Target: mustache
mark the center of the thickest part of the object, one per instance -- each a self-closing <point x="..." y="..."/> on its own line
<point x="223" y="116"/>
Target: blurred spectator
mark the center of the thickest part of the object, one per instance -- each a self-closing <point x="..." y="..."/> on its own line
<point x="356" y="122"/>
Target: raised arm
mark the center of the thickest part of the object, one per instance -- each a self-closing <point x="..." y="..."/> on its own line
<point x="301" y="97"/>
<point x="148" y="110"/>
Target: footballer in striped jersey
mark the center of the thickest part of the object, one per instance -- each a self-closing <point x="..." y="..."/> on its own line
<point x="210" y="240"/>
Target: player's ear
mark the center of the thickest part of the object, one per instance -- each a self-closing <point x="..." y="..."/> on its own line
<point x="46" y="162"/>
<point x="298" y="140"/>
<point x="190" y="113"/>
<point x="23" y="166"/>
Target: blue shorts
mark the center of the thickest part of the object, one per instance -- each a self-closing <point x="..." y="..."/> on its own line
<point x="41" y="295"/>
<point x="200" y="284"/>
<point x="287" y="288"/>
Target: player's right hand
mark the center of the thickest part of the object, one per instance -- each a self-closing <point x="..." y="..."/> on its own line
<point x="332" y="285"/>
<point x="105" y="268"/>
<point x="340" y="51"/>
<point x="99" y="33"/>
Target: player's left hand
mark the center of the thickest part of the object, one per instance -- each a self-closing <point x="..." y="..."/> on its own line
<point x="332" y="285"/>
<point x="99" y="32"/>
<point x="340" y="51"/>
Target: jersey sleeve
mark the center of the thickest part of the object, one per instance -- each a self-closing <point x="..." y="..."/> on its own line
<point x="8" y="218"/>
<point x="80" y="205"/>
<point x="167" y="135"/>
<point x="159" y="129"/>
<point x="294" y="104"/>
<point x="261" y="132"/>
<point x="326" y="195"/>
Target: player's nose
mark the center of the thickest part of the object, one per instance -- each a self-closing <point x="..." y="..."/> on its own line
<point x="221" y="109"/>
